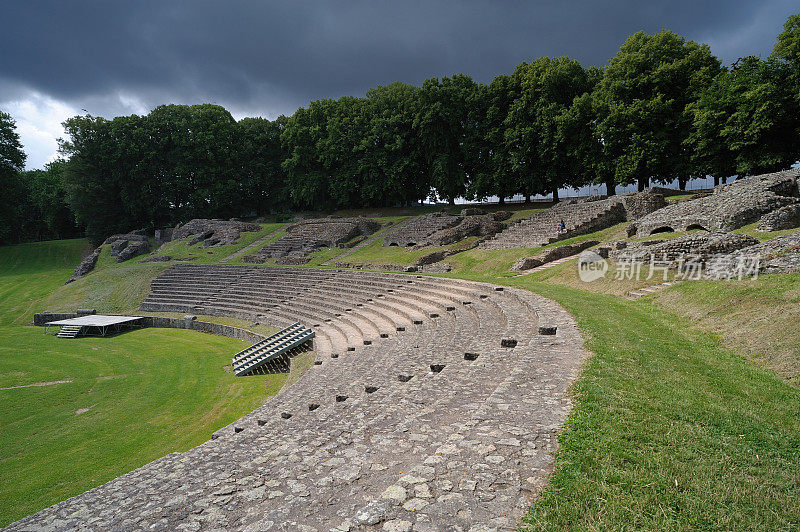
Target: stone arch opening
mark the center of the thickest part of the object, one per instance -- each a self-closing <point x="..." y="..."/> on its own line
<point x="693" y="227"/>
<point x="664" y="229"/>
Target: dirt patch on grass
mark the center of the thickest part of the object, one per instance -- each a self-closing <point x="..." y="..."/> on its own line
<point x="48" y="383"/>
<point x="84" y="410"/>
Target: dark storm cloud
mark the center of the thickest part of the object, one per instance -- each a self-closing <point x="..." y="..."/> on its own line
<point x="270" y="57"/>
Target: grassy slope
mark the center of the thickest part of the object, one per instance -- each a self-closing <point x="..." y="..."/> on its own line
<point x="148" y="392"/>
<point x="672" y="427"/>
<point x="670" y="430"/>
<point x="758" y="318"/>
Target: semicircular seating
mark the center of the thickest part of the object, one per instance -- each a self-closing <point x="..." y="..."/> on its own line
<point x="422" y="416"/>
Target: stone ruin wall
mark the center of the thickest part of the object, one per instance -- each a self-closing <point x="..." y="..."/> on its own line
<point x="731" y="206"/>
<point x="213" y="232"/>
<point x="442" y="229"/>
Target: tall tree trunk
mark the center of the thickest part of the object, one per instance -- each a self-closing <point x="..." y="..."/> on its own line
<point x="611" y="187"/>
<point x="724" y="180"/>
<point x="682" y="183"/>
<point x="527" y="199"/>
<point x="451" y="201"/>
<point x="502" y="200"/>
<point x="644" y="182"/>
<point x="555" y="195"/>
<point x="716" y="181"/>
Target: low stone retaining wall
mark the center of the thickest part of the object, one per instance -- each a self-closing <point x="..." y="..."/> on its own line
<point x="40" y="319"/>
<point x="203" y="326"/>
<point x="559" y="252"/>
<point x="43" y="318"/>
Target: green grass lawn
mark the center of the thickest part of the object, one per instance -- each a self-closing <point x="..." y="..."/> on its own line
<point x="670" y="431"/>
<point x="130" y="399"/>
<point x="686" y="415"/>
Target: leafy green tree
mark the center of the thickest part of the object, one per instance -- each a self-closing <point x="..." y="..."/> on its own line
<point x="307" y="175"/>
<point x="339" y="150"/>
<point x="788" y="46"/>
<point x="745" y="122"/>
<point x="12" y="161"/>
<point x="46" y="213"/>
<point x="588" y="147"/>
<point x="545" y="137"/>
<point x="787" y="54"/>
<point x="392" y="162"/>
<point x="445" y="126"/>
<point x="93" y="178"/>
<point x="494" y="173"/>
<point x="259" y="157"/>
<point x="646" y="91"/>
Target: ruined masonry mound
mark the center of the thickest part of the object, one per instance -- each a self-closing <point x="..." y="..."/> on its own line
<point x="308" y="236"/>
<point x="580" y="217"/>
<point x="213" y="233"/>
<point x="730" y="206"/>
<point x="441" y="229"/>
<point x="433" y="403"/>
<point x="777" y="255"/>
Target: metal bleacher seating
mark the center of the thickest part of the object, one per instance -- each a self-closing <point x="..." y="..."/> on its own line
<point x="262" y="353"/>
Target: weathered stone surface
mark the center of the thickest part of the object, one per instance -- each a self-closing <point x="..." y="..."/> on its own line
<point x="777" y="255"/>
<point x="86" y="266"/>
<point x="157" y="258"/>
<point x="501" y="216"/>
<point x="308" y="236"/>
<point x="787" y="217"/>
<point x="469" y="444"/>
<point x="292" y="260"/>
<point x="469" y="226"/>
<point x="41" y="319"/>
<point x="579" y="216"/>
<point x="700" y="247"/>
<point x="417" y="232"/>
<point x="133" y="249"/>
<point x="472" y="211"/>
<point x="731" y="206"/>
<point x="212" y="232"/>
<point x="559" y="252"/>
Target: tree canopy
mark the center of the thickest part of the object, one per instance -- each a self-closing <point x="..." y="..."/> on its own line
<point x="663" y="109"/>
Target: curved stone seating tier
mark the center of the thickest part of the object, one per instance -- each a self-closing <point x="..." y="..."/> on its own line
<point x="542" y="228"/>
<point x="436" y="424"/>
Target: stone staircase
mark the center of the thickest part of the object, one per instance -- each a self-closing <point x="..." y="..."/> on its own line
<point x="432" y="404"/>
<point x="542" y="228"/>
<point x="641" y="292"/>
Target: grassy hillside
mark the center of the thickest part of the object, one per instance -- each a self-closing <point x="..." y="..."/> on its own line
<point x="31" y="272"/>
<point x="687" y="415"/>
<point x="670" y="431"/>
<point x="99" y="407"/>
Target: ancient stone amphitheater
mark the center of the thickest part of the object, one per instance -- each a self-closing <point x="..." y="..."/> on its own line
<point x="433" y="404"/>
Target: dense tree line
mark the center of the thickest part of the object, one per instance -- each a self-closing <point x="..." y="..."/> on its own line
<point x="33" y="204"/>
<point x="663" y="109"/>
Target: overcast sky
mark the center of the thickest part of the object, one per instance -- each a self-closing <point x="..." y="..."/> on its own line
<point x="261" y="58"/>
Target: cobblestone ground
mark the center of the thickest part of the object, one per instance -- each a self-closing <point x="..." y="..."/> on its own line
<point x="440" y="426"/>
